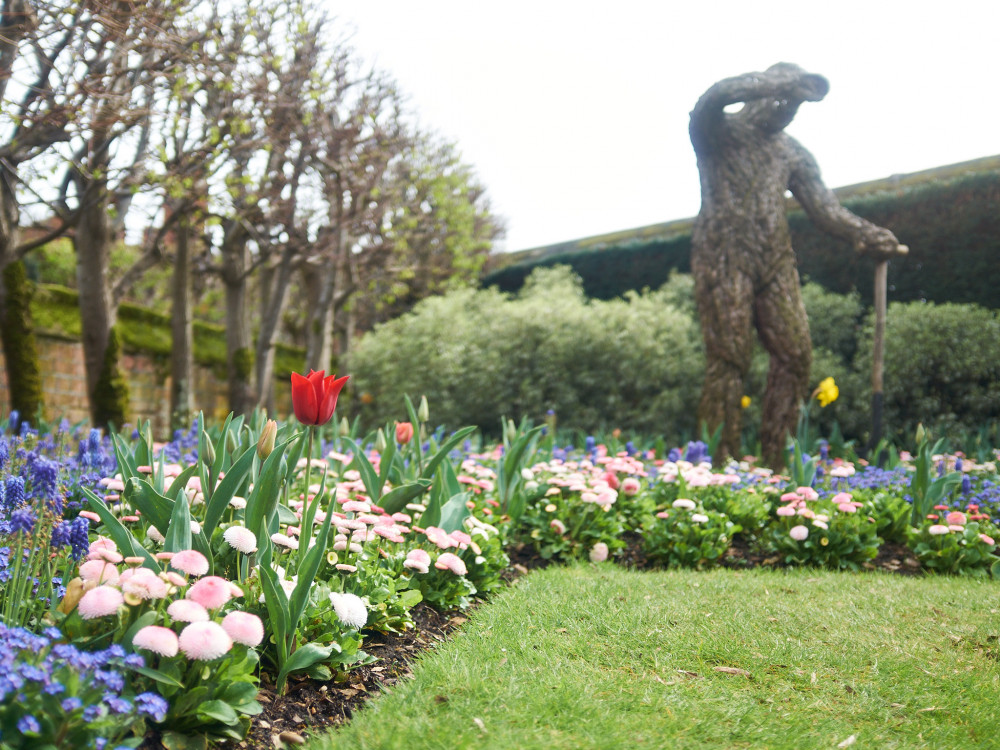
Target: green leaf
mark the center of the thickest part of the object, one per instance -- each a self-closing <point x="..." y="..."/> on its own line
<point x="178" y="741"/>
<point x="410" y="598"/>
<point x="454" y="512"/>
<point x="178" y="536"/>
<point x="446" y="447"/>
<point x="263" y="501"/>
<point x="155" y="507"/>
<point x="396" y="499"/>
<point x="161" y="677"/>
<point x="304" y="657"/>
<point x="218" y="711"/>
<point x="368" y="475"/>
<point x="226" y="490"/>
<point x="307" y="574"/>
<point x="127" y="544"/>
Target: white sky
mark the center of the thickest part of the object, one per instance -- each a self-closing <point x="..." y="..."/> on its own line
<point x="574" y="114"/>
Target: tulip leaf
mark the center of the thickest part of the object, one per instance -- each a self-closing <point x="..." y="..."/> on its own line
<point x="432" y="515"/>
<point x="180" y="482"/>
<point x="220" y="459"/>
<point x="415" y="421"/>
<point x="307" y="572"/>
<point x="385" y="464"/>
<point x="126" y="462"/>
<point x="396" y="499"/>
<point x="446" y="447"/>
<point x="295" y="454"/>
<point x="276" y="602"/>
<point x="368" y="475"/>
<point x="263" y="501"/>
<point x="303" y="658"/>
<point x="178" y="535"/>
<point x="215" y="507"/>
<point x="156" y="508"/>
<point x="127" y="544"/>
<point x="454" y="512"/>
<point x="286" y="516"/>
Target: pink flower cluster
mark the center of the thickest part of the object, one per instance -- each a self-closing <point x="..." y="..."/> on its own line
<point x="107" y="589"/>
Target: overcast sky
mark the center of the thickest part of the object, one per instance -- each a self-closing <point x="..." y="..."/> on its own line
<point x="574" y="114"/>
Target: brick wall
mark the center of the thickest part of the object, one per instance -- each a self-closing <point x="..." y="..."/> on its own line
<point x="64" y="387"/>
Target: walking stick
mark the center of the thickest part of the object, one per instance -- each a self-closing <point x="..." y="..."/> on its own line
<point x="878" y="354"/>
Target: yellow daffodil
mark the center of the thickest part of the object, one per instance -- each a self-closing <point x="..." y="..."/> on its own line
<point x="827" y="391"/>
<point x="745" y="402"/>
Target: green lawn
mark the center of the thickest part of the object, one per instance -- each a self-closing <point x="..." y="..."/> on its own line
<point x="601" y="657"/>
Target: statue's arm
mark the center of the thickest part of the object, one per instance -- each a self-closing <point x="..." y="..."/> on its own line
<point x="825" y="211"/>
<point x="786" y="82"/>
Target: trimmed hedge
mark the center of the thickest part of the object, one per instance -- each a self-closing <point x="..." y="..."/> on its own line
<point x="951" y="227"/>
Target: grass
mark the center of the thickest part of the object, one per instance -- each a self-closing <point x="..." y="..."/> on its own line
<point x="602" y="657"/>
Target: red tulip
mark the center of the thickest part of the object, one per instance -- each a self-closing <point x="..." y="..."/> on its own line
<point x="404" y="432"/>
<point x="314" y="397"/>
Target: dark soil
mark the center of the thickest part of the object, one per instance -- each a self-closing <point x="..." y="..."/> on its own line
<point x="310" y="707"/>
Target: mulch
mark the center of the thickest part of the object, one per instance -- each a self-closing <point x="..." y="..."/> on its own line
<point x="310" y="707"/>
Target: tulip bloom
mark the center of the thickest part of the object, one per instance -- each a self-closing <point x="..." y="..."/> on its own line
<point x="314" y="396"/>
<point x="404" y="432"/>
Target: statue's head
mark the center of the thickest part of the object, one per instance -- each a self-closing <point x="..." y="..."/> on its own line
<point x="773" y="114"/>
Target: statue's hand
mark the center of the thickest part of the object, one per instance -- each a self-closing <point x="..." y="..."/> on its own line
<point x="880" y="244"/>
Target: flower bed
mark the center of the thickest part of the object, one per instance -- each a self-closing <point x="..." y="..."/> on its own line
<point x="251" y="555"/>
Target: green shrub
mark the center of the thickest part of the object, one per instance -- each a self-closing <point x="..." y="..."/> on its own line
<point x="478" y="355"/>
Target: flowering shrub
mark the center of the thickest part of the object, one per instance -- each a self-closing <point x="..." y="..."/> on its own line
<point x="687" y="536"/>
<point x="955" y="544"/>
<point x="837" y="533"/>
<point x="52" y="694"/>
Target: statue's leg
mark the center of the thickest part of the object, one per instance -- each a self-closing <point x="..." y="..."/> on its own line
<point x="783" y="329"/>
<point x="725" y="309"/>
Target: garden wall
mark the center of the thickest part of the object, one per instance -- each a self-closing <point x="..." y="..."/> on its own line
<point x="145" y="361"/>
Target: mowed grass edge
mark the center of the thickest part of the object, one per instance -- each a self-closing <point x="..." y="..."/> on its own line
<point x="602" y="657"/>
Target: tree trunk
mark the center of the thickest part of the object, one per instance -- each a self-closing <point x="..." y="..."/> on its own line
<point x="319" y="328"/>
<point x="107" y="390"/>
<point x="182" y="334"/>
<point x="20" y="350"/>
<point x="277" y="298"/>
<point x="239" y="344"/>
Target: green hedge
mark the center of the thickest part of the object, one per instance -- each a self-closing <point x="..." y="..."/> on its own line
<point x="637" y="363"/>
<point x="952" y="229"/>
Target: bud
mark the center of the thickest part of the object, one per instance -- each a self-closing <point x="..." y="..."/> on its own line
<point x="404" y="432"/>
<point x="380" y="442"/>
<point x="921" y="433"/>
<point x="423" y="411"/>
<point x="209" y="448"/>
<point x="267" y="435"/>
<point x="74" y="592"/>
<point x="345" y="427"/>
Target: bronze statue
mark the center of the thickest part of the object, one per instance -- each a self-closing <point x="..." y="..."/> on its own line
<point x="741" y="253"/>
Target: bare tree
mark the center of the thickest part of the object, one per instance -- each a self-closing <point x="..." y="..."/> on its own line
<point x="362" y="132"/>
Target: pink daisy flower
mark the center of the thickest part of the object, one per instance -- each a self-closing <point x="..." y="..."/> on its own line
<point x="454" y="563"/>
<point x="100" y="602"/>
<point x="190" y="562"/>
<point x="244" y="628"/>
<point x="158" y="639"/>
<point x="986" y="539"/>
<point x="841" y="497"/>
<point x="683" y="502"/>
<point x="283" y="540"/>
<point x="785" y="510"/>
<point x="937" y="529"/>
<point x="204" y="641"/>
<point x="418" y="560"/>
<point x="630" y="486"/>
<point x="210" y="592"/>
<point x="99" y="571"/>
<point x="599" y="552"/>
<point x="143" y="583"/>
<point x="956" y="517"/>
<point x="798" y="533"/>
<point x="557" y="526"/>
<point x="185" y="610"/>
<point x="240" y="539"/>
<point x="349" y="568"/>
